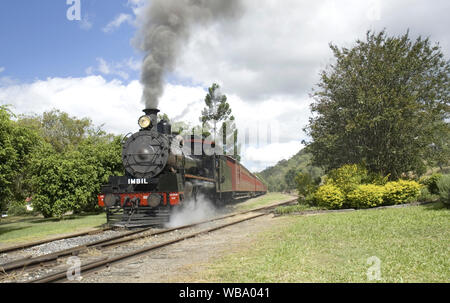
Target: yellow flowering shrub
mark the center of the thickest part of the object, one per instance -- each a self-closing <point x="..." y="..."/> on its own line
<point x="366" y="196"/>
<point x="401" y="191"/>
<point x="329" y="196"/>
<point x="347" y="177"/>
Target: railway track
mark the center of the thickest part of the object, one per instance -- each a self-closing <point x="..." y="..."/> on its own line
<point x="22" y="266"/>
<point x="36" y="243"/>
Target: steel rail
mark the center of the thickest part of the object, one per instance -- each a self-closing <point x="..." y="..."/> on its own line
<point x="116" y="240"/>
<point x="36" y="243"/>
<point x="97" y="265"/>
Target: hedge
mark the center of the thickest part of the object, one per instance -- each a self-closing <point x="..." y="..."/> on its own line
<point x="444" y="189"/>
<point x="431" y="183"/>
<point x="366" y="196"/>
<point x="401" y="191"/>
<point x="329" y="196"/>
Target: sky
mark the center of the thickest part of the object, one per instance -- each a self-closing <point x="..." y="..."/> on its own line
<point x="267" y="61"/>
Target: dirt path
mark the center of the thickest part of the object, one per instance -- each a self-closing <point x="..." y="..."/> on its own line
<point x="187" y="260"/>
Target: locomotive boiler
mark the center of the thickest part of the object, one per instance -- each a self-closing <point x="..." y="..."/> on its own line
<point x="164" y="170"/>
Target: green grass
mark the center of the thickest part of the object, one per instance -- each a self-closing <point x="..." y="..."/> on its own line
<point x="25" y="229"/>
<point x="267" y="199"/>
<point x="284" y="210"/>
<point x="412" y="244"/>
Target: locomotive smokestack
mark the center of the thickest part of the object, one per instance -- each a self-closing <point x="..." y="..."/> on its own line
<point x="150" y="111"/>
<point x="153" y="114"/>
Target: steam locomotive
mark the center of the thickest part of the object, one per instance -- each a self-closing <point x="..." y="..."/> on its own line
<point x="163" y="171"/>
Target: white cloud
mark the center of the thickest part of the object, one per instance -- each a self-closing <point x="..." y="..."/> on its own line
<point x="117" y="106"/>
<point x="137" y="6"/>
<point x="278" y="50"/>
<point x="2" y="69"/>
<point x="106" y="102"/>
<point x="7" y="81"/>
<point x="132" y="64"/>
<point x="268" y="132"/>
<point x="121" y="69"/>
<point x="258" y="158"/>
<point x="267" y="63"/>
<point x="86" y="23"/>
<point x="117" y="22"/>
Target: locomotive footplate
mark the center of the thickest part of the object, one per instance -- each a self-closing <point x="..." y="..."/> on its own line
<point x="141" y="217"/>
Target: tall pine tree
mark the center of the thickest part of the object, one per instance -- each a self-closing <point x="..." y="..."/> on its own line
<point x="218" y="110"/>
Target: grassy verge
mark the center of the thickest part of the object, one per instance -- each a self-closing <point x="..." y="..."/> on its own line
<point x="284" y="210"/>
<point x="267" y="199"/>
<point x="411" y="244"/>
<point x="25" y="229"/>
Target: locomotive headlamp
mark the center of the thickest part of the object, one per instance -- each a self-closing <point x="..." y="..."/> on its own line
<point x="145" y="121"/>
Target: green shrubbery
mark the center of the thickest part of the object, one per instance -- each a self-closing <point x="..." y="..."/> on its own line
<point x="57" y="160"/>
<point x="444" y="189"/>
<point x="17" y="144"/>
<point x="18" y="208"/>
<point x="431" y="183"/>
<point x="70" y="181"/>
<point x="305" y="184"/>
<point x="425" y="195"/>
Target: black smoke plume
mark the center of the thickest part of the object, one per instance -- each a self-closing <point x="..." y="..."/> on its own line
<point x="165" y="27"/>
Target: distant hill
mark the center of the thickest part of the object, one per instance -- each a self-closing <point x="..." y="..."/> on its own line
<point x="274" y="176"/>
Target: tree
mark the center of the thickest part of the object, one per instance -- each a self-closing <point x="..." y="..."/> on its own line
<point x="218" y="110"/>
<point x="305" y="184"/>
<point x="70" y="181"/>
<point x="289" y="178"/>
<point x="59" y="129"/>
<point x="276" y="177"/>
<point x="8" y="157"/>
<point x="440" y="147"/>
<point x="17" y="145"/>
<point x="379" y="103"/>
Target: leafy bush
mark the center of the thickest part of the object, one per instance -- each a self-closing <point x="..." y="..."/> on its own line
<point x="329" y="196"/>
<point x="366" y="195"/>
<point x="70" y="181"/>
<point x="425" y="195"/>
<point x="16" y="146"/>
<point x="17" y="209"/>
<point x="62" y="183"/>
<point x="377" y="179"/>
<point x="348" y="177"/>
<point x="401" y="191"/>
<point x="444" y="189"/>
<point x="431" y="183"/>
<point x="310" y="200"/>
<point x="305" y="184"/>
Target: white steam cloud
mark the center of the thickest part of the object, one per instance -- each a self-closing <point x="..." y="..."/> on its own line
<point x="193" y="212"/>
